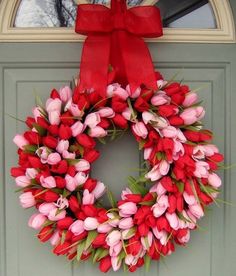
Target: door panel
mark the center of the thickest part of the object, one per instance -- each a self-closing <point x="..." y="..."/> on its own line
<point x="29" y="69"/>
<point x="25" y="255"/>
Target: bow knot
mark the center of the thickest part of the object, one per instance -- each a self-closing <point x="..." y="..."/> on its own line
<point x="119" y="21"/>
<point x="114" y="37"/>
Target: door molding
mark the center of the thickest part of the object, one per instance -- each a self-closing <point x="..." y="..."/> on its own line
<point x="225" y="32"/>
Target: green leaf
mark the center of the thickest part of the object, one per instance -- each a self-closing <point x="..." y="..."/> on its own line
<point x="146" y="242"/>
<point x="90" y="238"/>
<point x="100" y="253"/>
<point x="135" y="187"/>
<point x="30" y="148"/>
<point x="141" y="144"/>
<point x="180" y="186"/>
<point x="80" y="250"/>
<point x="131" y="232"/>
<point x="147" y="203"/>
<point x="111" y="198"/>
<point x="102" y="141"/>
<point x="147" y="261"/>
<point x="72" y="162"/>
<point x="41" y="131"/>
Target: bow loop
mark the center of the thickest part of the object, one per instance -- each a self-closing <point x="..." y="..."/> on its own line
<point x="115" y="38"/>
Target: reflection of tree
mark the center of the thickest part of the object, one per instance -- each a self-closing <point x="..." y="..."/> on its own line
<point x="46" y="13"/>
<point x="51" y="13"/>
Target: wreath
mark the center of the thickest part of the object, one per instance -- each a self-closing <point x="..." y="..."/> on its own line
<point x="157" y="210"/>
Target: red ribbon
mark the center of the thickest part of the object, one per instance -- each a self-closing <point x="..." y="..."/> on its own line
<point x="114" y="37"/>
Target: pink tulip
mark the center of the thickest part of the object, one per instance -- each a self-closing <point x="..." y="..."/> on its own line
<point x="161" y="84"/>
<point x="148" y="117"/>
<point x="190" y="99"/>
<point x="92" y="120"/>
<point x="99" y="190"/>
<point x="65" y="94"/>
<point x="162" y="236"/>
<point x="112" y="87"/>
<point x="56" y="214"/>
<point x="77" y="227"/>
<point x="54" y="117"/>
<point x="48" y="182"/>
<point x="131" y="260"/>
<point x="125" y="192"/>
<point x="127" y="209"/>
<point x="126" y="223"/>
<point x="147" y="153"/>
<point x="88" y="198"/>
<point x="140" y="130"/>
<point x="113" y="220"/>
<point x="90" y="224"/>
<point x="36" y="221"/>
<point x="158" y="189"/>
<point x="104" y="228"/>
<point x="160" y="99"/>
<point x="185" y="239"/>
<point x="31" y="173"/>
<point x="82" y="166"/>
<point x="127" y="114"/>
<point x="55" y="239"/>
<point x="36" y="112"/>
<point x="62" y="146"/>
<point x="114" y="251"/>
<point x="116" y="263"/>
<point x="158" y="171"/>
<point x="192" y="219"/>
<point x="74" y="109"/>
<point x="189" y="199"/>
<point x="113" y="238"/>
<point x="106" y="112"/>
<point x="178" y="150"/>
<point x="53" y="158"/>
<point x="202" y="169"/>
<point x="43" y="153"/>
<point x="133" y="94"/>
<point x="68" y="155"/>
<point x="160" y="207"/>
<point x="97" y="132"/>
<point x="173" y="220"/>
<point x="214" y="180"/>
<point x="169" y="132"/>
<point x="53" y="105"/>
<point x="46" y="208"/>
<point x="81" y="178"/>
<point x="71" y="183"/>
<point x="199" y="152"/>
<point x="147" y="241"/>
<point x="196" y="210"/>
<point x="62" y="203"/>
<point x="20" y="141"/>
<point x="27" y="200"/>
<point x="77" y="128"/>
<point x="192" y="114"/>
<point x="22" y="181"/>
<point x="210" y="150"/>
<point x="122" y="93"/>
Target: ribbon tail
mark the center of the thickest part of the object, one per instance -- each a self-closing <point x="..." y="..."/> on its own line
<point x="95" y="63"/>
<point x="138" y="62"/>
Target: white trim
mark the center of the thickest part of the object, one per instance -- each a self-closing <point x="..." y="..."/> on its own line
<point x="225" y="32"/>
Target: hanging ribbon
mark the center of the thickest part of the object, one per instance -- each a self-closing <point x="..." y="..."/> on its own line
<point x="115" y="37"/>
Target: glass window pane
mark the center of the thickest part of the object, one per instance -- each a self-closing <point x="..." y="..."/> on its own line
<point x="62" y="13"/>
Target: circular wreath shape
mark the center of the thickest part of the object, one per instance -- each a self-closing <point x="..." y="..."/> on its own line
<point x="156" y="211"/>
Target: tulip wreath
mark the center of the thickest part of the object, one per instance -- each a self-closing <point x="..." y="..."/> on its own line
<point x="156" y="211"/>
<point x="177" y="181"/>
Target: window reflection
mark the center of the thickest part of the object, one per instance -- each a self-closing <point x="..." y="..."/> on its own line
<point x="62" y="13"/>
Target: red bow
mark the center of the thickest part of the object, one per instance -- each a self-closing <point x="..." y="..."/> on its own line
<point x="114" y="37"/>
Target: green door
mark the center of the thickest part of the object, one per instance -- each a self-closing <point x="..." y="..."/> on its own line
<point x="29" y="67"/>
